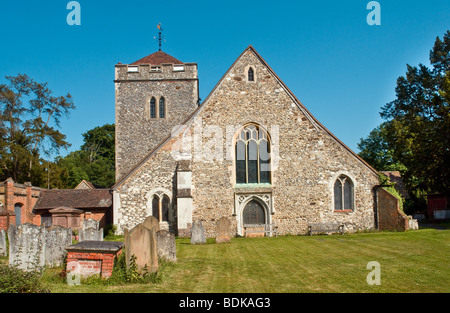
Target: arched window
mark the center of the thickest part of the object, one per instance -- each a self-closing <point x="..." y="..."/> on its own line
<point x="254" y="213"/>
<point x="160" y="207"/>
<point x="343" y="194"/>
<point x="153" y="108"/>
<point x="155" y="207"/>
<point x="251" y="75"/>
<point x="162" y="108"/>
<point x="18" y="212"/>
<point x="252" y="156"/>
<point x="165" y="208"/>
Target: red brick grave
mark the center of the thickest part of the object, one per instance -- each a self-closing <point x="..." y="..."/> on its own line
<point x="90" y="257"/>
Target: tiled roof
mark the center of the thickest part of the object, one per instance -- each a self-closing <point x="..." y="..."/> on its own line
<point x="74" y="198"/>
<point x="158" y="58"/>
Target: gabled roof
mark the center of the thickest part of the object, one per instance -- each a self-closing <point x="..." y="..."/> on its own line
<point x="74" y="198"/>
<point x="191" y="118"/>
<point x="157" y="58"/>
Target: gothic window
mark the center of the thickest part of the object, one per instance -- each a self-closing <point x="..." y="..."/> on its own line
<point x="343" y="194"/>
<point x="252" y="156"/>
<point x="155" y="207"/>
<point x="251" y="75"/>
<point x="160" y="208"/>
<point x="165" y="208"/>
<point x="254" y="213"/>
<point x="162" y="108"/>
<point x="153" y="108"/>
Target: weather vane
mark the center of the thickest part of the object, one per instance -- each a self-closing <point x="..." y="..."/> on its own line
<point x="160" y="38"/>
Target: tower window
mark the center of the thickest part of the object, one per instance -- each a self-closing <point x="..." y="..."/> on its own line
<point x="251" y="75"/>
<point x="153" y="108"/>
<point x="162" y="108"/>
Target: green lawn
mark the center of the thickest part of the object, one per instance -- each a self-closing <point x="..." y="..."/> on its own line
<point x="414" y="261"/>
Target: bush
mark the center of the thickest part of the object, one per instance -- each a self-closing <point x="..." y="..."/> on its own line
<point x="15" y="280"/>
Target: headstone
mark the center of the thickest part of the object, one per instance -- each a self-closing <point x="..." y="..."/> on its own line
<point x="91" y="223"/>
<point x="90" y="234"/>
<point x="223" y="230"/>
<point x="57" y="238"/>
<point x="151" y="222"/>
<point x="26" y="246"/>
<point x="31" y="246"/>
<point x="166" y="245"/>
<point x="198" y="233"/>
<point x="141" y="242"/>
<point x="3" y="251"/>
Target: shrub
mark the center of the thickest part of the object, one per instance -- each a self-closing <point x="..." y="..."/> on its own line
<point x="15" y="280"/>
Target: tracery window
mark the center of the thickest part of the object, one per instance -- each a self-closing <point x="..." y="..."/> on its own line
<point x="252" y="156"/>
<point x="343" y="194"/>
<point x="160" y="208"/>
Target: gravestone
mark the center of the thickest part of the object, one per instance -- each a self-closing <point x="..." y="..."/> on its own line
<point x="31" y="247"/>
<point x="3" y="251"/>
<point x="26" y="246"/>
<point x="166" y="245"/>
<point x="141" y="241"/>
<point x="91" y="223"/>
<point x="197" y="233"/>
<point x="57" y="238"/>
<point x="223" y="230"/>
<point x="90" y="234"/>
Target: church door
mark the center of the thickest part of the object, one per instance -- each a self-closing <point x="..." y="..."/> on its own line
<point x="254" y="218"/>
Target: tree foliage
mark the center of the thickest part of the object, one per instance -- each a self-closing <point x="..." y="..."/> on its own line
<point x="94" y="161"/>
<point x="416" y="133"/>
<point x="30" y="116"/>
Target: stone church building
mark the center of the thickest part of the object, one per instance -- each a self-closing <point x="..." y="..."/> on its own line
<point x="251" y="152"/>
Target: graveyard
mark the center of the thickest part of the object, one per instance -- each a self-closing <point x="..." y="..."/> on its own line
<point x="412" y="261"/>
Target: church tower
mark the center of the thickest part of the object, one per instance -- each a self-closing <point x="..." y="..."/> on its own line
<point x="153" y="95"/>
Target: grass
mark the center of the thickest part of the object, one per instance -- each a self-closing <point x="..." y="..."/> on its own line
<point x="414" y="261"/>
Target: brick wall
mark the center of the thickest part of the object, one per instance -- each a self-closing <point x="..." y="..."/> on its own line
<point x="90" y="263"/>
<point x="11" y="194"/>
<point x="390" y="217"/>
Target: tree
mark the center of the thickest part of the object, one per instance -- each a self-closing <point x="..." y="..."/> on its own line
<point x="376" y="151"/>
<point x="417" y="127"/>
<point x="29" y="118"/>
<point x="94" y="162"/>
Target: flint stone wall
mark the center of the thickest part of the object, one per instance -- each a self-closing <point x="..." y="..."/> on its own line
<point x="301" y="190"/>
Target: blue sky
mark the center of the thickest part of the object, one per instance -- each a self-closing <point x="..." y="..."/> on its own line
<point x="339" y="67"/>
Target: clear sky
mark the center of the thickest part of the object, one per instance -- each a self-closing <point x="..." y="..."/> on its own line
<point x="339" y="67"/>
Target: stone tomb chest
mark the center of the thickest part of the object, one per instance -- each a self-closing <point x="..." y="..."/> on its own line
<point x="90" y="257"/>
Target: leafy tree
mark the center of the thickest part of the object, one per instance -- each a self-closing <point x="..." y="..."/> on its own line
<point x="29" y="118"/>
<point x="376" y="151"/>
<point x="94" y="162"/>
<point x="416" y="133"/>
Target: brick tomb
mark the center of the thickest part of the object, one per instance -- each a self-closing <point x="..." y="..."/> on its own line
<point x="88" y="258"/>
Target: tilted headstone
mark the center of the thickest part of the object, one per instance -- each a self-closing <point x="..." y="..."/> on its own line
<point x="223" y="230"/>
<point x="197" y="233"/>
<point x="166" y="245"/>
<point x="141" y="241"/>
<point x="3" y="251"/>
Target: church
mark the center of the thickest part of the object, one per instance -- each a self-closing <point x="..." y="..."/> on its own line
<point x="250" y="152"/>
